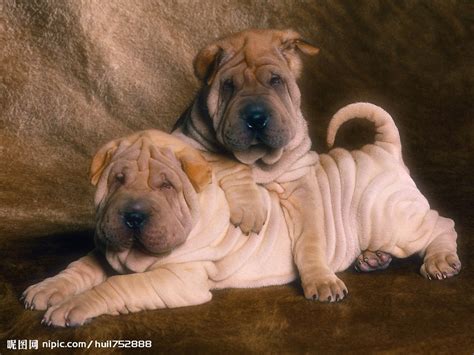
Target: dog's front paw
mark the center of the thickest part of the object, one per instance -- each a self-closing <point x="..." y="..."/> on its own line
<point x="247" y="209"/>
<point x="441" y="266"/>
<point x="47" y="293"/>
<point x="75" y="311"/>
<point x="66" y="314"/>
<point x="327" y="288"/>
<point x="372" y="260"/>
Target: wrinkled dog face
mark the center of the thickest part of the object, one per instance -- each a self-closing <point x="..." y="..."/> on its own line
<point x="143" y="201"/>
<point x="252" y="96"/>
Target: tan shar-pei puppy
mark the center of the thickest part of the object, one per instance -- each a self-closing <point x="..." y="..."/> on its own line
<point x="163" y="225"/>
<point x="249" y="106"/>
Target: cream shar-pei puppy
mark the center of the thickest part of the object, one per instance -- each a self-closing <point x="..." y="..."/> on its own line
<point x="166" y="229"/>
<point x="163" y="224"/>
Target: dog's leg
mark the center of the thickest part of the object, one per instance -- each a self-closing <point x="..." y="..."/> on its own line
<point x="175" y="285"/>
<point x="247" y="209"/>
<point x="318" y="281"/>
<point x="309" y="242"/>
<point x="372" y="260"/>
<point x="79" y="276"/>
<point x="440" y="257"/>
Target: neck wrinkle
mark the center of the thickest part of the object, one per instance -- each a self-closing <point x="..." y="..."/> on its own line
<point x="197" y="125"/>
<point x="298" y="148"/>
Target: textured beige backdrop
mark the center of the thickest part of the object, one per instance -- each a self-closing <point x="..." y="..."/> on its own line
<point x="75" y="74"/>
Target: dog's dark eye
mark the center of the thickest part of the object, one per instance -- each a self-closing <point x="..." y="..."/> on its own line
<point x="276" y="80"/>
<point x="120" y="177"/>
<point x="228" y="85"/>
<point x="165" y="185"/>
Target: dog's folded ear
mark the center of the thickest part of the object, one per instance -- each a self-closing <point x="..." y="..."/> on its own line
<point x="207" y="62"/>
<point x="301" y="45"/>
<point x="101" y="160"/>
<point x="291" y="45"/>
<point x="196" y="167"/>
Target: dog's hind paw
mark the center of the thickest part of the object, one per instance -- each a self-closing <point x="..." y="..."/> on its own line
<point x="372" y="260"/>
<point x="441" y="266"/>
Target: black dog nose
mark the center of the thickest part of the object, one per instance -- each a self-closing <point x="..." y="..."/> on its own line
<point x="255" y="116"/>
<point x="135" y="214"/>
<point x="134" y="220"/>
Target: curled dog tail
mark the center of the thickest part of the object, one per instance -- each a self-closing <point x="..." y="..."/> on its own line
<point x="387" y="136"/>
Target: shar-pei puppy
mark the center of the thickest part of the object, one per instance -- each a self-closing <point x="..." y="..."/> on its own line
<point x="249" y="107"/>
<point x="163" y="224"/>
